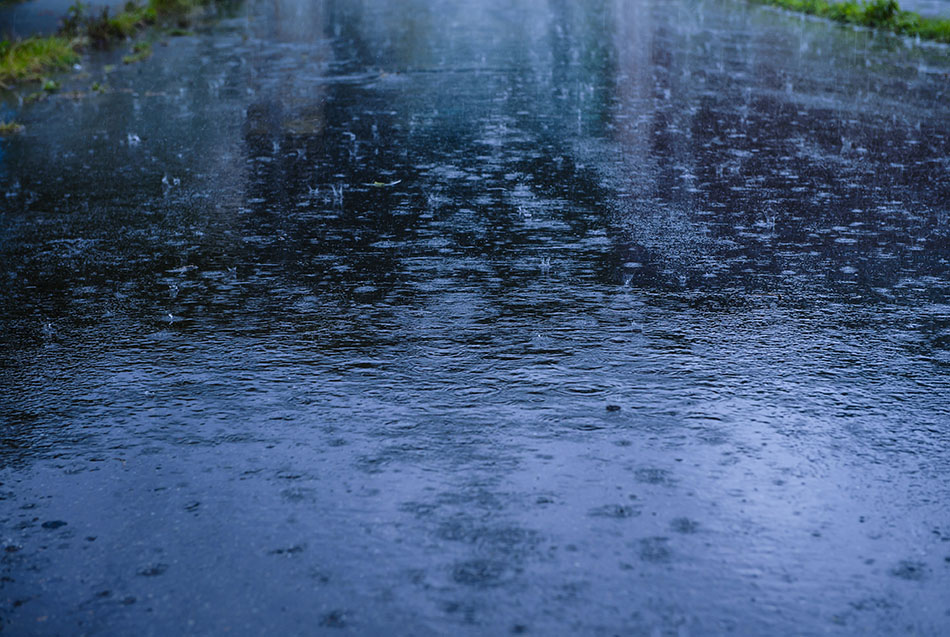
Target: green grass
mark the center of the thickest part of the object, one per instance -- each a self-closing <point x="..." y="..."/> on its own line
<point x="175" y="7"/>
<point x="105" y="29"/>
<point x="33" y="58"/>
<point x="10" y="128"/>
<point x="140" y="51"/>
<point x="876" y="14"/>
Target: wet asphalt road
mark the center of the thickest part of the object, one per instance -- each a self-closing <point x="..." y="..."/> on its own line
<point x="436" y="318"/>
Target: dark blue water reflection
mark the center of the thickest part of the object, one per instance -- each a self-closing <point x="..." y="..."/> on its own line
<point x="476" y="318"/>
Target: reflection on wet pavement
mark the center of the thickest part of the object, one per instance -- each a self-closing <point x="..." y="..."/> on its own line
<point x="478" y="318"/>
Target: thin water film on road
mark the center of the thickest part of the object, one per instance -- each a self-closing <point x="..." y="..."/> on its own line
<point x="439" y="317"/>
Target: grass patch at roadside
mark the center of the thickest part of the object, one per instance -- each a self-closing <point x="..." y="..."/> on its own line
<point x="876" y="14"/>
<point x="103" y="28"/>
<point x="140" y="51"/>
<point x="10" y="128"/>
<point x="33" y="58"/>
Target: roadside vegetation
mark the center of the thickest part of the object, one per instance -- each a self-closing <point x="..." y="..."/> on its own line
<point x="876" y="14"/>
<point x="140" y="51"/>
<point x="10" y="128"/>
<point x="34" y="58"/>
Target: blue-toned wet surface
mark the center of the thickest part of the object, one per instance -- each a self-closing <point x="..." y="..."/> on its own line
<point x="476" y="318"/>
<point x="23" y="18"/>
